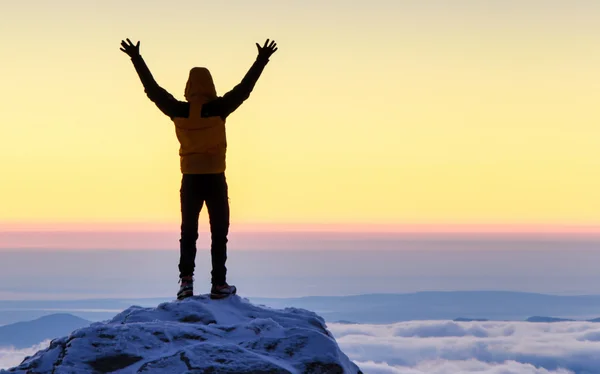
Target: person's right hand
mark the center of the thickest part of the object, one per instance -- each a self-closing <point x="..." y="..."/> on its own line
<point x="130" y="49"/>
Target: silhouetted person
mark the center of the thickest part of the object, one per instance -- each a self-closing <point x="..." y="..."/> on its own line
<point x="200" y="128"/>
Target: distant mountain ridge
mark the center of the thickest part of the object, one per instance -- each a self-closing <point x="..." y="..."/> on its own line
<point x="27" y="333"/>
<point x="367" y="308"/>
<point x="439" y="305"/>
<point x="542" y="319"/>
<point x="534" y="319"/>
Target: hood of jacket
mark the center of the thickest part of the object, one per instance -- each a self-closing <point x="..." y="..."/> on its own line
<point x="200" y="86"/>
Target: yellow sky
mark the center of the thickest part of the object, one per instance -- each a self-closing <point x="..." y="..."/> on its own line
<point x="389" y="112"/>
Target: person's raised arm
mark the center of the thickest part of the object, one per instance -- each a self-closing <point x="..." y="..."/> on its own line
<point x="227" y="104"/>
<point x="159" y="96"/>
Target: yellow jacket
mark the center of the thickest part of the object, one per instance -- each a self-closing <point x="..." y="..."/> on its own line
<point x="203" y="142"/>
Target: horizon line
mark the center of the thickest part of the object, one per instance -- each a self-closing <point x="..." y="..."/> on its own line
<point x="362" y="228"/>
<point x="567" y="295"/>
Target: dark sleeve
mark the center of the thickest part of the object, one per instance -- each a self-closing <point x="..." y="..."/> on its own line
<point x="158" y="95"/>
<point x="227" y="104"/>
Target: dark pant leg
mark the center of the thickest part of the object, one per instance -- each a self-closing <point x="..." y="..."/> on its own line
<point x="192" y="198"/>
<point x="217" y="203"/>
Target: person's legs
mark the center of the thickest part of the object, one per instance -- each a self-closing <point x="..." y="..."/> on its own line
<point x="217" y="203"/>
<point x="191" y="203"/>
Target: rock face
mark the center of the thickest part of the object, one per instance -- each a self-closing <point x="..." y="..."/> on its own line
<point x="197" y="335"/>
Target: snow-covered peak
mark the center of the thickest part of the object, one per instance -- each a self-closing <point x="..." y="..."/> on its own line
<point x="197" y="335"/>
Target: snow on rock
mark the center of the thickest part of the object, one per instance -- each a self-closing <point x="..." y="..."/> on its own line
<point x="197" y="335"/>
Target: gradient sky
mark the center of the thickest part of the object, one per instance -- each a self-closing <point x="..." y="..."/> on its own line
<point x="413" y="112"/>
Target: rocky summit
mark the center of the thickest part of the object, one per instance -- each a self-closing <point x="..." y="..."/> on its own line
<point x="197" y="335"/>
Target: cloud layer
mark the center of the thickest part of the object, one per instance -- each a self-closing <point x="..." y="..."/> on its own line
<point x="10" y="357"/>
<point x="446" y="347"/>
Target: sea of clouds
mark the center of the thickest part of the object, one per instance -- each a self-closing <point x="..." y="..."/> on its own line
<point x="10" y="357"/>
<point x="446" y="347"/>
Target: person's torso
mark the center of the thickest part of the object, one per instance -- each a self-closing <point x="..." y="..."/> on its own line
<point x="203" y="143"/>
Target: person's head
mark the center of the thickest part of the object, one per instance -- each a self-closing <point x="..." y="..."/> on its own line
<point x="200" y="85"/>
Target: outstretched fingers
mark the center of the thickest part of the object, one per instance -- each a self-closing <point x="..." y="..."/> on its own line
<point x="129" y="48"/>
<point x="268" y="48"/>
<point x="271" y="45"/>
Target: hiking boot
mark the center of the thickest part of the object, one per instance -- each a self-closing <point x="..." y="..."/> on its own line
<point x="220" y="292"/>
<point x="186" y="289"/>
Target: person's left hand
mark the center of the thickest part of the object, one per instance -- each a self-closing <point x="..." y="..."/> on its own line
<point x="130" y="49"/>
<point x="266" y="50"/>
